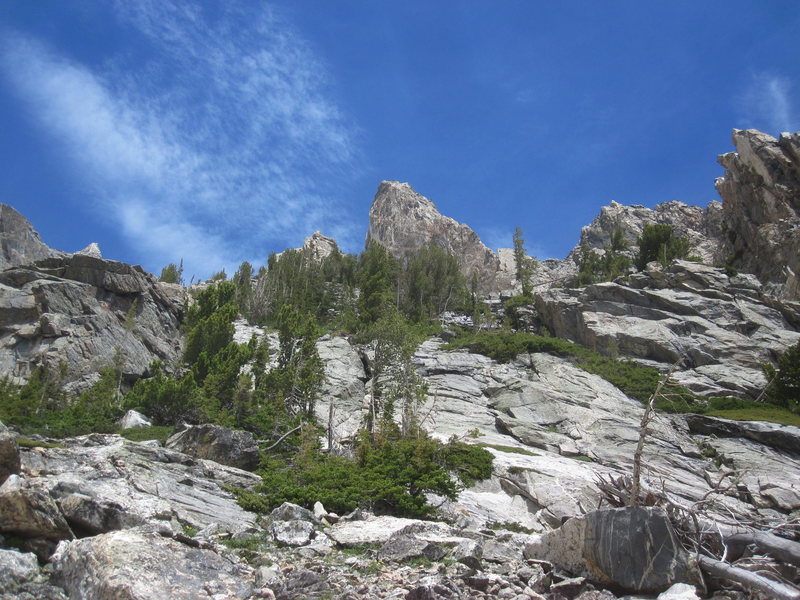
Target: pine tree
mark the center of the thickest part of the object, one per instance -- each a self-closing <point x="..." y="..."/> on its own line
<point x="377" y="280"/>
<point x="172" y="273"/>
<point x="523" y="264"/>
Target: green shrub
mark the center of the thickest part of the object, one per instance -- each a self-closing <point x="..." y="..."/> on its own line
<point x="390" y="477"/>
<point x="40" y="406"/>
<point x="660" y="243"/>
<point x="784" y="387"/>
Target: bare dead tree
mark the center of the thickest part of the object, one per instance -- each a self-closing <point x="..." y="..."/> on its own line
<point x="649" y="412"/>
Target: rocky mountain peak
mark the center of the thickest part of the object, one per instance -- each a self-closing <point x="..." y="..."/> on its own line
<point x="19" y="242"/>
<point x="403" y="221"/>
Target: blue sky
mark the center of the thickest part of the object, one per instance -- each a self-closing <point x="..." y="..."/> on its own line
<point x="218" y="132"/>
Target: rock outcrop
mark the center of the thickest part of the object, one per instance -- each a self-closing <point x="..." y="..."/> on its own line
<point x="761" y="208"/>
<point x="81" y="311"/>
<point x="701" y="226"/>
<point x="321" y="246"/>
<point x="99" y="483"/>
<point x="20" y="243"/>
<point x="403" y="221"/>
<point x="723" y="324"/>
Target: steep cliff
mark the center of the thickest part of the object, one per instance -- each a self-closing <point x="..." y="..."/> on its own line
<point x="761" y="208"/>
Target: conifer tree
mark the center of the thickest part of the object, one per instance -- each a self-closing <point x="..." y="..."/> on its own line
<point x="523" y="264"/>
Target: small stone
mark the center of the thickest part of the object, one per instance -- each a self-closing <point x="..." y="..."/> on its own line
<point x="679" y="591"/>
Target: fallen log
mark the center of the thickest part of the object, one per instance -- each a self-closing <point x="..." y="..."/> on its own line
<point x="749" y="580"/>
<point x="784" y="550"/>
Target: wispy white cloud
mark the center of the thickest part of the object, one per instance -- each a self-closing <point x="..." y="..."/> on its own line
<point x="766" y="103"/>
<point x="216" y="138"/>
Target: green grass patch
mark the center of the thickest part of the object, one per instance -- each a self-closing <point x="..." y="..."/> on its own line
<point x="360" y="549"/>
<point x="582" y="458"/>
<point x="509" y="526"/>
<point x="141" y="434"/>
<point x="252" y="544"/>
<point x="772" y="414"/>
<point x="28" y="443"/>
<point x="509" y="449"/>
<point x="190" y="530"/>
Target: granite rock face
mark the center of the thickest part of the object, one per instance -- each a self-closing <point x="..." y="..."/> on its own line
<point x="723" y="324"/>
<point x="80" y="310"/>
<point x="403" y="221"/>
<point x="103" y="482"/>
<point x="342" y="395"/>
<point x="554" y="428"/>
<point x="761" y="208"/>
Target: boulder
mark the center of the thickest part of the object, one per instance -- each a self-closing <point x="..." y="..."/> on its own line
<point x="21" y="579"/>
<point x="631" y="549"/>
<point x="30" y="513"/>
<point x="291" y="512"/>
<point x="403" y="547"/>
<point x="679" y="591"/>
<point x="292" y="533"/>
<point x="135" y="565"/>
<point x="468" y="552"/>
<point x="90" y="516"/>
<point x="134" y="420"/>
<point x="373" y="530"/>
<point x="230" y="447"/>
